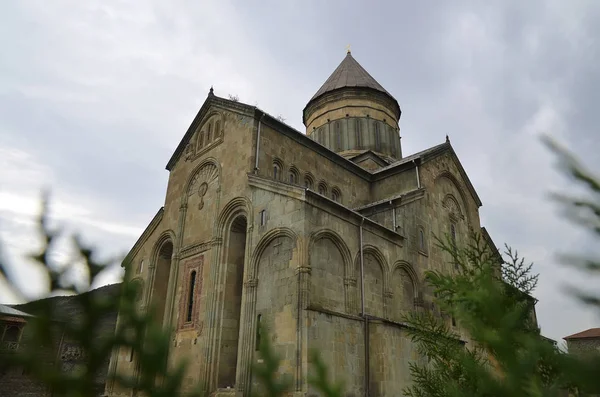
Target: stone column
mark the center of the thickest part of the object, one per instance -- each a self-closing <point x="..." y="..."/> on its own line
<point x="303" y="272"/>
<point x="211" y="306"/>
<point x="247" y="337"/>
<point x="211" y="316"/>
<point x="247" y="324"/>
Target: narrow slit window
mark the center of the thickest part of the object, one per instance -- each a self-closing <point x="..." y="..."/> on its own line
<point x="209" y="133"/>
<point x="358" y="137"/>
<point x="190" y="308"/>
<point x="377" y="137"/>
<point x="453" y="241"/>
<point x="218" y="129"/>
<point x="263" y="217"/>
<point x="258" y="328"/>
<point x="421" y="240"/>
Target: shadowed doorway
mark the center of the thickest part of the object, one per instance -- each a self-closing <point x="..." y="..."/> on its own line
<point x="233" y="299"/>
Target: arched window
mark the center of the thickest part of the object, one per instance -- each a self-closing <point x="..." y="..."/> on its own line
<point x="276" y="170"/>
<point x="421" y="240"/>
<point x="209" y="133"/>
<point x="308" y="181"/>
<point x="140" y="268"/>
<point x="293" y="176"/>
<point x="336" y="195"/>
<point x="258" y="328"/>
<point x="322" y="189"/>
<point x="453" y="241"/>
<point x="190" y="301"/>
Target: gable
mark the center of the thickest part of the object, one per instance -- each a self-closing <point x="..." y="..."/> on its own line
<point x="370" y="155"/>
<point x="206" y="114"/>
<point x="369" y="164"/>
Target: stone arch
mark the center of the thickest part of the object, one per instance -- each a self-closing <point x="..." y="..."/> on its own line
<point x="405" y="289"/>
<point x="375" y="280"/>
<point x="309" y="180"/>
<point x="237" y="206"/>
<point x="293" y="176"/>
<point x="337" y="241"/>
<point x="264" y="242"/>
<point x="452" y="179"/>
<point x="336" y="194"/>
<point x="162" y="262"/>
<point x="451" y="204"/>
<point x="232" y="268"/>
<point x="210" y="117"/>
<point x="208" y="168"/>
<point x="139" y="293"/>
<point x="322" y="188"/>
<point x="329" y="260"/>
<point x="277" y="169"/>
<point x="410" y="271"/>
<point x="376" y="252"/>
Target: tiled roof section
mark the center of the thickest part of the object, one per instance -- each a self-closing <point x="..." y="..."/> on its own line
<point x="590" y="333"/>
<point x="349" y="73"/>
<point x="9" y="311"/>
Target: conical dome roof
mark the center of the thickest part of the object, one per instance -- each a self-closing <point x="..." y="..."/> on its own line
<point x="349" y="73"/>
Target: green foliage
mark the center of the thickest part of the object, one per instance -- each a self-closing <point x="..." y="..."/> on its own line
<point x="490" y="297"/>
<point x="136" y="330"/>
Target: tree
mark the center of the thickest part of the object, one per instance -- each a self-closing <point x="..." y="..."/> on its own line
<point x="490" y="298"/>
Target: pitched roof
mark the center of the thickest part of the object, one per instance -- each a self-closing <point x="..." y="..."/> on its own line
<point x="9" y="311"/>
<point x="349" y="73"/>
<point x="590" y="333"/>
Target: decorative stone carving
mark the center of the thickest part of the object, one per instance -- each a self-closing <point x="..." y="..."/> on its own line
<point x="201" y="180"/>
<point x="253" y="282"/>
<point x="72" y="353"/>
<point x="452" y="206"/>
<point x="189" y="151"/>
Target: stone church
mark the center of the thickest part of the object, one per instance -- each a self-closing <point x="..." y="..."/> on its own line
<point x="321" y="236"/>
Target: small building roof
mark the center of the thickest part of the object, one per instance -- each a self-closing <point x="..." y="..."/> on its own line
<point x="590" y="333"/>
<point x="9" y="311"/>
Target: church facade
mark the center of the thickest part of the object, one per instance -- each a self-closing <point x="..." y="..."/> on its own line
<point x="320" y="237"/>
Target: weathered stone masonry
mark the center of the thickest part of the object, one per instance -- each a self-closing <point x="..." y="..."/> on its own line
<point x="322" y="238"/>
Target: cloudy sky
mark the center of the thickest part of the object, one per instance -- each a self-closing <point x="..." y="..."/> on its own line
<point x="95" y="95"/>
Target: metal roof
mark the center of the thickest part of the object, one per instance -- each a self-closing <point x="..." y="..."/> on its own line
<point x="349" y="73"/>
<point x="9" y="311"/>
